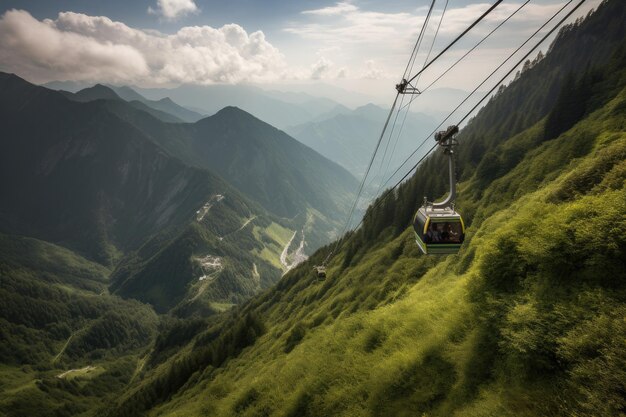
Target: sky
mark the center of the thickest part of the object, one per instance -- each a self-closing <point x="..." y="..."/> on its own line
<point x="357" y="45"/>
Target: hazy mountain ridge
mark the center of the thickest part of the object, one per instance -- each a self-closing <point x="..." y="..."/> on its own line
<point x="278" y="108"/>
<point x="348" y="137"/>
<point x="165" y="110"/>
<point x="165" y="104"/>
<point x="270" y="107"/>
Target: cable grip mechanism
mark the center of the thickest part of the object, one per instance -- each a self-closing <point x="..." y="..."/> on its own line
<point x="406" y="87"/>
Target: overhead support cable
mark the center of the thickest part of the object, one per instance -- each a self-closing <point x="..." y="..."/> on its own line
<point x="407" y="106"/>
<point x="418" y="42"/>
<point x="341" y="240"/>
<point x="432" y="44"/>
<point x="360" y="189"/>
<point x="476" y="46"/>
<point x="486" y="95"/>
<point x="408" y="70"/>
<point x="406" y="83"/>
<point x="382" y="134"/>
<point x="523" y="58"/>
<point x="483" y="82"/>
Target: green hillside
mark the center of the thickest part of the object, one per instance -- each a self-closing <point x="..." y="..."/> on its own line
<point x="67" y="346"/>
<point x="527" y="320"/>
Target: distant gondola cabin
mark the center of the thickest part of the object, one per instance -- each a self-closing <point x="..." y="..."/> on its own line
<point x="321" y="271"/>
<point x="438" y="230"/>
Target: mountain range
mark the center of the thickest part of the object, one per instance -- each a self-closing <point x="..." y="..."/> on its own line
<point x="348" y="137"/>
<point x="526" y="320"/>
<point x="277" y="109"/>
<point x="110" y="181"/>
<point x="286" y="177"/>
<point x="101" y="92"/>
<point x="165" y="104"/>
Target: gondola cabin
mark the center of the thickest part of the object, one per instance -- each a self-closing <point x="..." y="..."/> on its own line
<point x="438" y="230"/>
<point x="320" y="271"/>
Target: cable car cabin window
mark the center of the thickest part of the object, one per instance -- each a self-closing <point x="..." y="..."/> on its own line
<point x="444" y="232"/>
<point x="419" y="223"/>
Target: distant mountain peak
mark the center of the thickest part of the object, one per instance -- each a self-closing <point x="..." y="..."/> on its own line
<point x="229" y="109"/>
<point x="232" y="114"/>
<point x="369" y="106"/>
<point x="96" y="92"/>
<point x="101" y="87"/>
<point x="234" y="111"/>
<point x="10" y="76"/>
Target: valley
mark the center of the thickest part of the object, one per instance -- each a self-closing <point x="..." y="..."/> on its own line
<point x="297" y="255"/>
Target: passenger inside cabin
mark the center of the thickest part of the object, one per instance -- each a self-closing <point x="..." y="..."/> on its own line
<point x="445" y="234"/>
<point x="454" y="233"/>
<point x="433" y="235"/>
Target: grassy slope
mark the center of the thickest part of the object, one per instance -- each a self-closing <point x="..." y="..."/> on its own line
<point x="526" y="320"/>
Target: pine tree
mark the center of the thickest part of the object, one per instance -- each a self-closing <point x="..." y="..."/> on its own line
<point x="570" y="106"/>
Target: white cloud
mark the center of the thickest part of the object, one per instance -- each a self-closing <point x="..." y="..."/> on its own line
<point x="339" y="8"/>
<point x="321" y="69"/>
<point x="173" y="9"/>
<point x="353" y="35"/>
<point x="373" y="71"/>
<point x="354" y="25"/>
<point x="392" y="35"/>
<point x="80" y="47"/>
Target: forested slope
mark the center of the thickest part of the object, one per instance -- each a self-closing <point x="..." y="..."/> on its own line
<point x="67" y="346"/>
<point x="528" y="319"/>
<point x="77" y="175"/>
